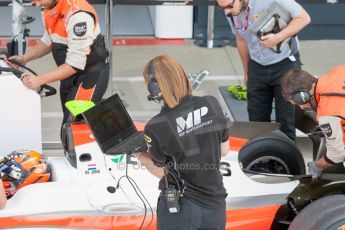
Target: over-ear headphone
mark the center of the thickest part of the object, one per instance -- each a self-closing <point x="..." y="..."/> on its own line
<point x="153" y="87"/>
<point x="300" y="97"/>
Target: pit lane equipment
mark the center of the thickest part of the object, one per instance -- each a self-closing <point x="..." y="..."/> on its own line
<point x="20" y="19"/>
<point x="273" y="20"/>
<point x="238" y="91"/>
<point x="196" y="79"/>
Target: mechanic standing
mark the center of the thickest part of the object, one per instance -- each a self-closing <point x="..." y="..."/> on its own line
<point x="326" y="96"/>
<point x="72" y="34"/>
<point x="185" y="143"/>
<point x="263" y="67"/>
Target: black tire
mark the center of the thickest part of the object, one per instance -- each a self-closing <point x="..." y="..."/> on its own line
<point x="273" y="153"/>
<point x="326" y="213"/>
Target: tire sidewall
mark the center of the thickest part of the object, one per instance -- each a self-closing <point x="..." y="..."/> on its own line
<point x="323" y="213"/>
<point x="276" y="146"/>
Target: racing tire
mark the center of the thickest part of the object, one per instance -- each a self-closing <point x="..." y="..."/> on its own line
<point x="272" y="153"/>
<point x="325" y="213"/>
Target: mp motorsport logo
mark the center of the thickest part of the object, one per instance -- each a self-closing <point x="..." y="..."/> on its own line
<point x="192" y="122"/>
<point x="193" y="119"/>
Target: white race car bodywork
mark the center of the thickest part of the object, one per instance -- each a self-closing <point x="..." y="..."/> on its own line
<point x="20" y="117"/>
<point x="83" y="191"/>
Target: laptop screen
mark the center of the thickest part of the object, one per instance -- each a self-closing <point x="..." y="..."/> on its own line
<point x="109" y="122"/>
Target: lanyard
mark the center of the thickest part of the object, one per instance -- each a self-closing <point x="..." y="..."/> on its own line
<point x="246" y="19"/>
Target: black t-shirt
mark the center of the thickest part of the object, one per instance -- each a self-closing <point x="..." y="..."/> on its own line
<point x="187" y="139"/>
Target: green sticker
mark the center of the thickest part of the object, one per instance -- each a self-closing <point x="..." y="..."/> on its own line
<point x="77" y="107"/>
<point x="118" y="159"/>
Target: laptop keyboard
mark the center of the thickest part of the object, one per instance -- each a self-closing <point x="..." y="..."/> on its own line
<point x="135" y="143"/>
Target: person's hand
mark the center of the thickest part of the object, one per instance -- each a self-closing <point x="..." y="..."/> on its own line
<point x="18" y="58"/>
<point x="31" y="81"/>
<point x="314" y="170"/>
<point x="270" y="40"/>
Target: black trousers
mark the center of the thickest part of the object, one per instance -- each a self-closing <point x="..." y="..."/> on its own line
<point x="191" y="216"/>
<point x="96" y="76"/>
<point x="263" y="85"/>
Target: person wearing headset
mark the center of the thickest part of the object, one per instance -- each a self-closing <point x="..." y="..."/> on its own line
<point x="326" y="96"/>
<point x="72" y="34"/>
<point x="186" y="141"/>
<point x="263" y="67"/>
<point x="3" y="198"/>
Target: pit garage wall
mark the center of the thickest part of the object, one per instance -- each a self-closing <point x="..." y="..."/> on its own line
<point x="128" y="20"/>
<point x="328" y="21"/>
<point x="36" y="27"/>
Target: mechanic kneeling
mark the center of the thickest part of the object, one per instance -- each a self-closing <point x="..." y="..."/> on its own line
<point x="186" y="141"/>
<point x="326" y="96"/>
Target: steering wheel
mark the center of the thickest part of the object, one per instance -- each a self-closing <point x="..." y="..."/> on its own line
<point x="44" y="90"/>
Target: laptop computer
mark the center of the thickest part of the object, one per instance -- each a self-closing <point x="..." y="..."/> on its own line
<point x="113" y="128"/>
<point x="273" y="20"/>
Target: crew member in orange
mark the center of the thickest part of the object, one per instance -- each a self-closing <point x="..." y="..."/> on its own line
<point x="72" y="34"/>
<point x="326" y="96"/>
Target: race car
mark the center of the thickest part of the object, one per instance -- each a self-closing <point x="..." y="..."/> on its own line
<point x="91" y="196"/>
<point x="91" y="190"/>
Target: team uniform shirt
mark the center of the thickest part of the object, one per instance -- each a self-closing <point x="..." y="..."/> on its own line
<point x="257" y="52"/>
<point x="72" y="31"/>
<point x="187" y="139"/>
<point x="79" y="33"/>
<point x="333" y="129"/>
<point x="330" y="97"/>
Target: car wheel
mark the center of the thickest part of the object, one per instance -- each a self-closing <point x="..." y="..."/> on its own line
<point x="325" y="213"/>
<point x="273" y="153"/>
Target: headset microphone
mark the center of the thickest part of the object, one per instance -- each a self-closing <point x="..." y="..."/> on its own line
<point x="150" y="98"/>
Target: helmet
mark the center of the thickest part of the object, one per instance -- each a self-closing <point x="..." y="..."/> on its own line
<point x="21" y="168"/>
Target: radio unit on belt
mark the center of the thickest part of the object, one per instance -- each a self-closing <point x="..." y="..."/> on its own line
<point x="172" y="196"/>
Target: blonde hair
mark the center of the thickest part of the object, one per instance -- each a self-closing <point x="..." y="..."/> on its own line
<point x="171" y="78"/>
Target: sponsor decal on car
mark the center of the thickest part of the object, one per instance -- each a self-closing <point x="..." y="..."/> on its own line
<point x="118" y="159"/>
<point x="92" y="169"/>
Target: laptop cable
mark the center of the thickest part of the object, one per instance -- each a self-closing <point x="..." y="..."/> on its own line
<point x="151" y="220"/>
<point x="129" y="178"/>
<point x="136" y="189"/>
